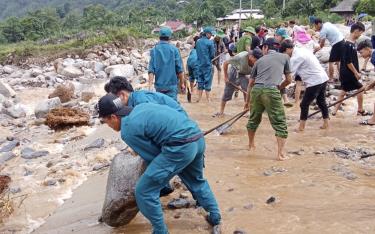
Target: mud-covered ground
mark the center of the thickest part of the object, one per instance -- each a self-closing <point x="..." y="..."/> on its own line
<point x="315" y="191"/>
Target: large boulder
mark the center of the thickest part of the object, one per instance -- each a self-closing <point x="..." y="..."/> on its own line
<point x="120" y="206"/>
<point x="96" y="66"/>
<point x="8" y="69"/>
<point x="71" y="72"/>
<point x="6" y="90"/>
<point x="45" y="106"/>
<point x="126" y="70"/>
<point x="16" y="111"/>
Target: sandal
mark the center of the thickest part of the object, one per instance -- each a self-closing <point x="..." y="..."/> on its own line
<point x="364" y="113"/>
<point x="366" y="123"/>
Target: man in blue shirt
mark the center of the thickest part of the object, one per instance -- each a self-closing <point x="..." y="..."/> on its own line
<point x="166" y="66"/>
<point x="368" y="53"/>
<point x="121" y="87"/>
<point x="171" y="144"/>
<point x="205" y="52"/>
<point x="192" y="65"/>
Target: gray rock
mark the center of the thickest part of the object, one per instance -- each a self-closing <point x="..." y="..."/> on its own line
<point x="120" y="206"/>
<point x="15" y="190"/>
<point x="8" y="69"/>
<point x="45" y="106"/>
<point x="350" y="175"/>
<point x="71" y="72"/>
<point x="10" y="146"/>
<point x="28" y="153"/>
<point x="96" y="66"/>
<point x="15" y="111"/>
<point x="91" y="56"/>
<point x="6" y="90"/>
<point x="36" y="72"/>
<point x="89" y="74"/>
<point x="180" y="203"/>
<point x="98" y="143"/>
<point x="102" y="75"/>
<point x="248" y="206"/>
<point x="2" y="98"/>
<point x="68" y="62"/>
<point x="267" y="173"/>
<point x="50" y="182"/>
<point x="6" y="156"/>
<point x="126" y="70"/>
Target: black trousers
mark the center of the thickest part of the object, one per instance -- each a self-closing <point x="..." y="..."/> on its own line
<point x="315" y="92"/>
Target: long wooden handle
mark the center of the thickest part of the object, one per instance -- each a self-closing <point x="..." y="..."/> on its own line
<point x="335" y="103"/>
<point x="237" y="87"/>
<point x="213" y="60"/>
<point x="218" y="126"/>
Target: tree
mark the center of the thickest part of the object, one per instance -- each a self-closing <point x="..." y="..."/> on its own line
<point x="366" y="6"/>
<point x="205" y="12"/>
<point x="41" y="24"/>
<point x="12" y="30"/>
<point x="270" y="9"/>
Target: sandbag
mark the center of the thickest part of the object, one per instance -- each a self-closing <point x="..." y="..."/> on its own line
<point x="120" y="206"/>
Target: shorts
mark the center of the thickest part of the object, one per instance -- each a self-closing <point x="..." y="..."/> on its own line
<point x="217" y="64"/>
<point x="351" y="85"/>
<point x="336" y="50"/>
<point x="297" y="78"/>
<point x="239" y="80"/>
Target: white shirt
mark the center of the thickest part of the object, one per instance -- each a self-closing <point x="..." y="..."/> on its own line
<point x="331" y="33"/>
<point x="304" y="63"/>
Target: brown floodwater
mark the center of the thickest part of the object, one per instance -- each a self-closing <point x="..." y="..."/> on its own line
<point x="311" y="197"/>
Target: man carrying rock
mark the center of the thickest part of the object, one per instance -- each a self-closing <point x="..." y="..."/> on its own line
<point x="166" y="66"/>
<point x="205" y="52"/>
<point x="336" y="39"/>
<point x="264" y="88"/>
<point x="241" y="65"/>
<point x="171" y="144"/>
<point x="304" y="64"/>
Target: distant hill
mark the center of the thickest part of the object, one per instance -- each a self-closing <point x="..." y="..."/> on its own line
<point x="21" y="7"/>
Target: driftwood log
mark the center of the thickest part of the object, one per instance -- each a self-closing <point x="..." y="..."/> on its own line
<point x="120" y="206"/>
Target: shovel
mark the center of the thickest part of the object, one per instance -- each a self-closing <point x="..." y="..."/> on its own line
<point x="226" y="122"/>
<point x="214" y="59"/>
<point x="225" y="128"/>
<point x="367" y="156"/>
<point x="335" y="103"/>
<point x="237" y="87"/>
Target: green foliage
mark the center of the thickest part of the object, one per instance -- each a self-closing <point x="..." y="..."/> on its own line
<point x="329" y="17"/>
<point x="366" y="6"/>
<point x="205" y="12"/>
<point x="13" y="30"/>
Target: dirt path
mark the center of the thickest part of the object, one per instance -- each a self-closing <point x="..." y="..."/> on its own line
<point x="312" y="191"/>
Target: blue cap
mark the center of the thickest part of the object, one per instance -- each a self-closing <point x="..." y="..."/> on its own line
<point x="210" y="30"/>
<point x="165" y="32"/>
<point x="282" y="32"/>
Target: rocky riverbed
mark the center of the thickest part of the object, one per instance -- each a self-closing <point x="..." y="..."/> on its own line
<point x="46" y="158"/>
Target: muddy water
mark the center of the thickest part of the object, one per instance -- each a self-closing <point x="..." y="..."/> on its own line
<point x="310" y="196"/>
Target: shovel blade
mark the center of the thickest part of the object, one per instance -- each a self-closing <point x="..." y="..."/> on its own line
<point x="223" y="129"/>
